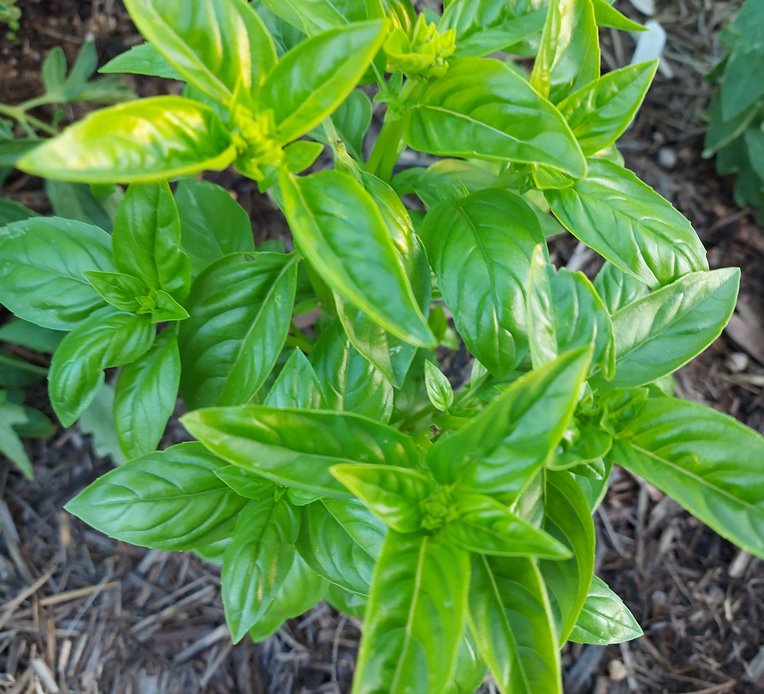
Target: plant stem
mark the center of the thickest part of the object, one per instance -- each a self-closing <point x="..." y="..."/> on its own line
<point x="386" y="150"/>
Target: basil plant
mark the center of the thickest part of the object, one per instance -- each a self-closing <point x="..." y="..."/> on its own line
<point x="332" y="458"/>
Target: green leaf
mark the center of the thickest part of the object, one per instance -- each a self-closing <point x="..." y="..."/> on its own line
<point x="17" y="373"/>
<point x="77" y="201"/>
<point x="599" y="113"/>
<point x="392" y="494"/>
<point x="604" y="619"/>
<point x="439" y="390"/>
<point x="739" y="88"/>
<point x="142" y="59"/>
<point x="296" y="448"/>
<point x="297" y="385"/>
<point x="313" y="79"/>
<point x="658" y="333"/>
<point x="313" y="16"/>
<point x="470" y="670"/>
<point x="391" y="355"/>
<point x="340" y="230"/>
<point x="107" y="339"/>
<point x="297" y="593"/>
<point x="629" y="224"/>
<point x="168" y="500"/>
<point x="607" y="16"/>
<point x="10" y="444"/>
<point x="569" y="54"/>
<point x="140" y="141"/>
<point x="348" y="381"/>
<point x="708" y="462"/>
<point x="213" y="224"/>
<point x="246" y="484"/>
<point x="145" y="396"/>
<point x="501" y="449"/>
<point x="147" y="240"/>
<point x="340" y="541"/>
<point x="415" y="616"/>
<point x="566" y="313"/>
<point x="617" y="289"/>
<point x="257" y="561"/>
<point x="41" y="273"/>
<point x="482" y="109"/>
<point x="511" y="620"/>
<point x="352" y="120"/>
<point x="569" y="519"/>
<point x="97" y="421"/>
<point x="21" y="332"/>
<point x="480" y="248"/>
<point x="12" y="211"/>
<point x="241" y="310"/>
<point x="219" y="46"/>
<point x="128" y="293"/>
<point x="484" y="526"/>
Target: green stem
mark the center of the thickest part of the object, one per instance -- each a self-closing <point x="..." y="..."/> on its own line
<point x="387" y="149"/>
<point x="25" y="120"/>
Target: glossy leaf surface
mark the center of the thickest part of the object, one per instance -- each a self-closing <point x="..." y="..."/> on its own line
<point x="604" y="619"/>
<point x="296" y="385"/>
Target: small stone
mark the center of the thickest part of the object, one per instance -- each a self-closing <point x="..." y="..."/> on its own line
<point x="617" y="671"/>
<point x="737" y="362"/>
<point x="667" y="158"/>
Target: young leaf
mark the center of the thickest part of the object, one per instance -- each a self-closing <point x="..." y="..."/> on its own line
<point x="296" y="448"/>
<point x="168" y="500"/>
<point x="178" y="137"/>
<point x="392" y="494"/>
<point x="241" y="309"/>
<point x="213" y="224"/>
<point x="629" y="224"/>
<point x="145" y="396"/>
<point x="391" y="355"/>
<point x="657" y="334"/>
<point x="257" y="561"/>
<point x="415" y="616"/>
<point x="340" y="230"/>
<point x="599" y="113"/>
<point x="480" y="249"/>
<point x="617" y="289"/>
<point x="484" y="526"/>
<point x="569" y="519"/>
<point x="146" y="239"/>
<point x="219" y="46"/>
<point x="482" y="109"/>
<point x="439" y="390"/>
<point x="500" y="450"/>
<point x="604" y="620"/>
<point x="41" y="274"/>
<point x="11" y="445"/>
<point x="133" y="295"/>
<point x="314" y="78"/>
<point x="707" y="461"/>
<point x="142" y="59"/>
<point x="349" y="382"/>
<point x="107" y="339"/>
<point x="608" y="16"/>
<point x="569" y="53"/>
<point x="511" y="620"/>
<point x="340" y="541"/>
<point x="297" y="385"/>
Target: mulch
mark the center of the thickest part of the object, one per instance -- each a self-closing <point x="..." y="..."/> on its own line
<point x="80" y="612"/>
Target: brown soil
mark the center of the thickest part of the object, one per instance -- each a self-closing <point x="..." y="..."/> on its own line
<point x="80" y="612"/>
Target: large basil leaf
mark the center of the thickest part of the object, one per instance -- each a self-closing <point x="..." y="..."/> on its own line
<point x="146" y="239"/>
<point x="340" y="230"/>
<point x="314" y="16"/>
<point x="658" y="333"/>
<point x="108" y="338"/>
<point x="629" y="224"/>
<point x="565" y="313"/>
<point x="212" y="223"/>
<point x="480" y="248"/>
<point x="569" y="53"/>
<point x="500" y="450"/>
<point x="617" y="289"/>
<point x="168" y="500"/>
<point x="568" y="518"/>
<point x="349" y="382"/>
<point x="391" y="355"/>
<point x="218" y="46"/>
<point x="42" y="270"/>
<point x="296" y="448"/>
<point x="511" y="620"/>
<point x="340" y="541"/>
<point x="241" y="309"/>
<point x="296" y="386"/>
<point x="314" y="78"/>
<point x="599" y="113"/>
<point x="415" y="616"/>
<point x="257" y="561"/>
<point x="705" y="460"/>
<point x="141" y="141"/>
<point x="483" y="109"/>
<point x="604" y="618"/>
<point x="145" y="396"/>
